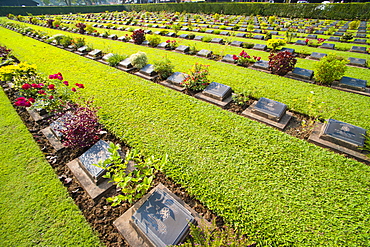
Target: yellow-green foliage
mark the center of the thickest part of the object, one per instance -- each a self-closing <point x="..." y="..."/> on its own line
<point x="8" y="72"/>
<point x="275" y="43"/>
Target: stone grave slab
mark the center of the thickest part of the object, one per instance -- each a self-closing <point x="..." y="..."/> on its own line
<point x="204" y="53"/>
<point x="145" y="42"/>
<point x="228" y="58"/>
<point x="262" y="47"/>
<point x="98" y="152"/>
<point x="209" y="31"/>
<point x="352" y="83"/>
<point x="343" y="134"/>
<point x="342" y="30"/>
<point x="327" y="46"/>
<point x="106" y="57"/>
<point x="261" y="64"/>
<point x="185" y="28"/>
<point x="224" y="33"/>
<point x="242" y="29"/>
<point x="229" y="28"/>
<point x="147" y="31"/>
<point x="94" y="54"/>
<point x="175" y="81"/>
<point x="260" y="37"/>
<point x="301" y="42"/>
<point x="199" y="38"/>
<point x="240" y="35"/>
<point x="274" y="33"/>
<point x="270" y="109"/>
<point x="112" y="36"/>
<point x="360" y="41"/>
<point x="82" y="50"/>
<point x="338" y="34"/>
<point x="361" y="49"/>
<point x="311" y="36"/>
<point x="147" y="72"/>
<point x="257" y="31"/>
<point x="183" y="48"/>
<point x="288" y="49"/>
<point x="171" y="34"/>
<point x="126" y="65"/>
<point x="217" y="91"/>
<point x="184" y="36"/>
<point x="162" y="219"/>
<point x="157" y="33"/>
<point x="302" y="73"/>
<point x="317" y="55"/>
<point x="170" y="210"/>
<point x="357" y="61"/>
<point x="334" y="39"/>
<point x="217" y="41"/>
<point x="251" y="112"/>
<point x="236" y="43"/>
<point x="360" y="35"/>
<point x="163" y="45"/>
<point x="122" y="38"/>
<point x="319" y="32"/>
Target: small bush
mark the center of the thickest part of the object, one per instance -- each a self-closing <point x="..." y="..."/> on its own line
<point x="81" y="27"/>
<point x="139" y="60"/>
<point x="247" y="45"/>
<point x="346" y="37"/>
<point x="138" y="36"/>
<point x="243" y="59"/>
<point x="81" y="128"/>
<point x="330" y="68"/>
<point x="115" y="59"/>
<point x="275" y="43"/>
<point x="281" y="63"/>
<point x="164" y="68"/>
<point x="197" y="79"/>
<point x="207" y="39"/>
<point x="354" y="24"/>
<point x="66" y="41"/>
<point x="154" y="40"/>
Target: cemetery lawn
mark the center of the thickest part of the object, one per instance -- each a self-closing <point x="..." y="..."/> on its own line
<point x="35" y="208"/>
<point x="278" y="189"/>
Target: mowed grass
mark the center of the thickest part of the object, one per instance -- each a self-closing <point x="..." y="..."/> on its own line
<point x="278" y="189"/>
<point x="35" y="208"/>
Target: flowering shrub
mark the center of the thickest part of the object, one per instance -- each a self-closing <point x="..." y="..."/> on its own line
<point x="164" y="68"/>
<point x="154" y="40"/>
<point x="81" y="127"/>
<point x="275" y="43"/>
<point x="78" y="42"/>
<point x="40" y="93"/>
<point x="7" y="73"/>
<point x="281" y="63"/>
<point x="81" y="27"/>
<point x="330" y="68"/>
<point x="138" y="36"/>
<point x="244" y="59"/>
<point x="172" y="44"/>
<point x="139" y="60"/>
<point x="197" y="79"/>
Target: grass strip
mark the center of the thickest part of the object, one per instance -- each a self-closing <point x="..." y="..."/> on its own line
<point x="35" y="208"/>
<point x="309" y="99"/>
<point x="276" y="188"/>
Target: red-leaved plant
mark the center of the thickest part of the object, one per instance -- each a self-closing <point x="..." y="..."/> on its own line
<point x="282" y="62"/>
<point x="81" y="126"/>
<point x="138" y="36"/>
<point x="81" y="27"/>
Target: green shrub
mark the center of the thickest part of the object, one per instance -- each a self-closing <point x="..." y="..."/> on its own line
<point x="354" y="24"/>
<point x="207" y="39"/>
<point x="330" y="68"/>
<point x="115" y="59"/>
<point x="154" y="40"/>
<point x="346" y="37"/>
<point x="247" y="45"/>
<point x="66" y="41"/>
<point x="139" y="60"/>
<point x="275" y="43"/>
<point x="164" y="68"/>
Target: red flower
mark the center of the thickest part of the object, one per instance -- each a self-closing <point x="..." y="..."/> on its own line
<point x="26" y="86"/>
<point x="51" y="86"/>
<point x="307" y="40"/>
<point x="34" y="85"/>
<point x="73" y="89"/>
<point x="66" y="83"/>
<point x="51" y="97"/>
<point x="258" y="58"/>
<point x="51" y="76"/>
<point x="32" y="100"/>
<point x="42" y="92"/>
<point x="168" y="41"/>
<point x="80" y="85"/>
<point x="235" y="57"/>
<point x="21" y="99"/>
<point x="60" y="78"/>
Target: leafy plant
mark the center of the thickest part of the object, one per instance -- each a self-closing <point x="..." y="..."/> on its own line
<point x="139" y="60"/>
<point x="7" y="73"/>
<point x="243" y="59"/>
<point x="172" y="44"/>
<point x="197" y="79"/>
<point x="81" y="27"/>
<point x="207" y="39"/>
<point x="81" y="127"/>
<point x="133" y="184"/>
<point x="347" y="37"/>
<point x="289" y="35"/>
<point x="66" y="41"/>
<point x="213" y="236"/>
<point x="4" y="52"/>
<point x="154" y="40"/>
<point x="138" y="36"/>
<point x="275" y="43"/>
<point x="247" y="45"/>
<point x="116" y="59"/>
<point x="79" y="42"/>
<point x="354" y="24"/>
<point x="176" y="28"/>
<point x="282" y="62"/>
<point x="164" y="68"/>
<point x="240" y="99"/>
<point x="330" y="68"/>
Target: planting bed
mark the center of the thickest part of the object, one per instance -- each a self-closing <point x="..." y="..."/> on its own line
<point x="277" y="189"/>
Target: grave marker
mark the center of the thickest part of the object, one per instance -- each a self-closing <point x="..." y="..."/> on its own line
<point x="301" y="42"/>
<point x="204" y="53"/>
<point x="361" y="49"/>
<point x="217" y="91"/>
<point x="334" y="39"/>
<point x="327" y="46"/>
<point x="317" y="55"/>
<point x="357" y="61"/>
<point x="199" y="38"/>
<point x="260" y="47"/>
<point x="236" y="43"/>
<point x="228" y="58"/>
<point x="217" y="40"/>
<point x="302" y="73"/>
<point x="269" y="109"/>
<point x="261" y="64"/>
<point x="183" y="48"/>
<point x="177" y="78"/>
<point x="126" y="65"/>
<point x="352" y="83"/>
<point x="261" y="37"/>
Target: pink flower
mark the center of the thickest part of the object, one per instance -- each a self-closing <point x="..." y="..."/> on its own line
<point x="258" y="58"/>
<point x="21" y="99"/>
<point x="66" y="83"/>
<point x="42" y="92"/>
<point x="235" y="57"/>
<point x="51" y="97"/>
<point x="51" y="76"/>
<point x="41" y="85"/>
<point x="60" y="78"/>
<point x="31" y="100"/>
<point x="80" y="85"/>
<point x="34" y="85"/>
<point x="73" y="89"/>
<point x="26" y="86"/>
<point x="51" y="86"/>
<point x="248" y="56"/>
<point x="168" y="41"/>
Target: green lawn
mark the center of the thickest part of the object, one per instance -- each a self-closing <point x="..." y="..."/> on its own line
<point x="274" y="187"/>
<point x="35" y="208"/>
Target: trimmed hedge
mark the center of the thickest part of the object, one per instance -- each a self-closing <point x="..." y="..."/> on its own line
<point x="278" y="189"/>
<point x="341" y="11"/>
